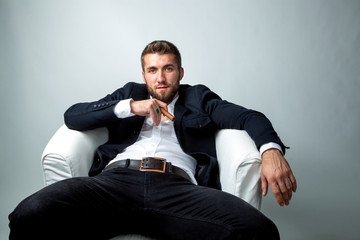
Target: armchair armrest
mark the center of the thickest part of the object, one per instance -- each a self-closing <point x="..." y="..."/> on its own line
<point x="239" y="165"/>
<point x="70" y="153"/>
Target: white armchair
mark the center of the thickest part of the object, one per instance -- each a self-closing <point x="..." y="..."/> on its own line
<point x="70" y="153"/>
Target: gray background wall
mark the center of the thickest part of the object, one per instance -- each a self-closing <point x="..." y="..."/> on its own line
<point x="296" y="61"/>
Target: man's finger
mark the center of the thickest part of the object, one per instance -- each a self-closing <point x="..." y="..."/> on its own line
<point x="288" y="184"/>
<point x="293" y="182"/>
<point x="284" y="192"/>
<point x="264" y="185"/>
<point x="154" y="115"/>
<point x="277" y="193"/>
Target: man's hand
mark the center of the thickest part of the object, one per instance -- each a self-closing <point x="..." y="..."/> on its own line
<point x="149" y="106"/>
<point x="277" y="173"/>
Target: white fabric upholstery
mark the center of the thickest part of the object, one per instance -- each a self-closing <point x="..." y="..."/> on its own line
<point x="70" y="153"/>
<point x="240" y="165"/>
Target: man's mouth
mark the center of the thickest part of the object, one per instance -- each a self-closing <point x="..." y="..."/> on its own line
<point x="162" y="87"/>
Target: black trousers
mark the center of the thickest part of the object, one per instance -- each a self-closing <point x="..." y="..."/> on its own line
<point x="125" y="201"/>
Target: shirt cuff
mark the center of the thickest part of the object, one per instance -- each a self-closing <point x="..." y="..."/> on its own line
<point x="268" y="146"/>
<point x="122" y="109"/>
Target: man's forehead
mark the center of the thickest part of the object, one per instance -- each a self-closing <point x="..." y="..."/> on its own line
<point x="162" y="59"/>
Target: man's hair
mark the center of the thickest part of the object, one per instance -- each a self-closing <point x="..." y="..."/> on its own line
<point x="161" y="47"/>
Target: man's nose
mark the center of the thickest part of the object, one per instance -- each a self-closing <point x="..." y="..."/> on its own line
<point x="161" y="76"/>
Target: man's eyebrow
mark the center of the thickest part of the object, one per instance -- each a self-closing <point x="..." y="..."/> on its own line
<point x="165" y="66"/>
<point x="150" y="67"/>
<point x="169" y="65"/>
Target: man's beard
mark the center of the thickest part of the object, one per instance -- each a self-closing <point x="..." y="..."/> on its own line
<point x="166" y="98"/>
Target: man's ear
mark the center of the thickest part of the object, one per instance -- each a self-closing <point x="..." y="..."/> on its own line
<point x="143" y="75"/>
<point x="181" y="73"/>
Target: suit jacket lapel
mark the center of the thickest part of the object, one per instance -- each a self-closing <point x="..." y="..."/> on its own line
<point x="179" y="112"/>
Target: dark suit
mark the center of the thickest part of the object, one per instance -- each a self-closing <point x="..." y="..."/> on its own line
<point x="199" y="113"/>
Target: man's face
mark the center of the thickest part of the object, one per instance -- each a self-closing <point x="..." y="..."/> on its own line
<point x="162" y="76"/>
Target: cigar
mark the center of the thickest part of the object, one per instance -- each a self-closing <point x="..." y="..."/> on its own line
<point x="167" y="114"/>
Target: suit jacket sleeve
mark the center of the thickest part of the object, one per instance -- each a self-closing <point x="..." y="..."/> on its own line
<point x="91" y="115"/>
<point x="226" y="115"/>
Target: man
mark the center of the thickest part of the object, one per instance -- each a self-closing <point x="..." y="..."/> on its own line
<point x="172" y="192"/>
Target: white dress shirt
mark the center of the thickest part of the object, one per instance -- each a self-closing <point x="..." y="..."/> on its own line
<point x="156" y="141"/>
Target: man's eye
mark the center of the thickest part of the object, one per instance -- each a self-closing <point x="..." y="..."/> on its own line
<point x="169" y="69"/>
<point x="151" y="70"/>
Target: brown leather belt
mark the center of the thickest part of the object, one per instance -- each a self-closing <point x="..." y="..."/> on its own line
<point x="148" y="164"/>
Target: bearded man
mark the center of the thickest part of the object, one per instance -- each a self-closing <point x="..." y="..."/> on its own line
<point x="155" y="176"/>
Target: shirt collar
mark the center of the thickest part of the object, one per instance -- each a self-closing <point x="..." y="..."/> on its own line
<point x="174" y="101"/>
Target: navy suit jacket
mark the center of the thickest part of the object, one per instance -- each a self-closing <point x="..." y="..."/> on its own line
<point x="199" y="114"/>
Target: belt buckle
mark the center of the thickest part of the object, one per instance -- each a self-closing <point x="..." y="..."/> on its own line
<point x="145" y="168"/>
